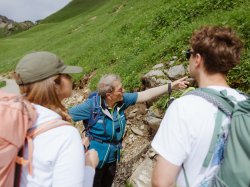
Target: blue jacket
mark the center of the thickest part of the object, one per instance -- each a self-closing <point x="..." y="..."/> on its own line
<point x="107" y="133"/>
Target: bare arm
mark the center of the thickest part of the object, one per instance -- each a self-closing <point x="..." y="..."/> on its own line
<point x="160" y="90"/>
<point x="164" y="173"/>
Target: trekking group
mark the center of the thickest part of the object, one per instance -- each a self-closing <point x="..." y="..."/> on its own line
<point x="203" y="139"/>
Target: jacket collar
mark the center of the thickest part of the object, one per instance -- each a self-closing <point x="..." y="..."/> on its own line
<point x="105" y="110"/>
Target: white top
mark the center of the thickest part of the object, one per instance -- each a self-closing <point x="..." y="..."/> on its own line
<point x="58" y="156"/>
<point x="185" y="134"/>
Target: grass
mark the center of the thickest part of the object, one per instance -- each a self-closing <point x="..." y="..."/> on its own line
<point x="2" y="84"/>
<point x="128" y="37"/>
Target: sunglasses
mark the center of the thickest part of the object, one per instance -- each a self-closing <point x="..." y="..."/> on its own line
<point x="188" y="54"/>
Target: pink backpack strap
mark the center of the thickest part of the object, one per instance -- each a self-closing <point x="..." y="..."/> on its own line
<point x="32" y="133"/>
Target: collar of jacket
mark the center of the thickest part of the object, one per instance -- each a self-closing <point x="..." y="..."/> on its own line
<point x="105" y="110"/>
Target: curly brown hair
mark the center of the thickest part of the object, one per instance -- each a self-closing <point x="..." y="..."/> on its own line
<point x="219" y="46"/>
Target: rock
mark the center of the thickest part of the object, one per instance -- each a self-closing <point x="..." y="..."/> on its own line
<point x="80" y="99"/>
<point x="161" y="82"/>
<point x="5" y="20"/>
<point x="142" y="127"/>
<point x="158" y="66"/>
<point x="154" y="78"/>
<point x="138" y="117"/>
<point x="154" y="112"/>
<point x="10" y="27"/>
<point x="135" y="110"/>
<point x="142" y="175"/>
<point x="131" y="115"/>
<point x="176" y="72"/>
<point x="175" y="57"/>
<point x="171" y="62"/>
<point x="151" y="153"/>
<point x="3" y="25"/>
<point x="153" y="122"/>
<point x="155" y="73"/>
<point x="137" y="131"/>
<point x="26" y="25"/>
<point x="128" y="122"/>
<point x="153" y="119"/>
<point x="126" y="168"/>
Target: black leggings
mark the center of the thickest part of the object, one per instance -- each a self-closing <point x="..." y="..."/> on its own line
<point x="104" y="177"/>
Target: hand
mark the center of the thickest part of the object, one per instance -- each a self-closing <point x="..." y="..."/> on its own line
<point x="85" y="142"/>
<point x="91" y="158"/>
<point x="180" y="84"/>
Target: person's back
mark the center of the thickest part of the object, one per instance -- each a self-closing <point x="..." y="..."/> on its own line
<point x="52" y="164"/>
<point x="57" y="157"/>
<point x="185" y="134"/>
<point x="17" y="116"/>
<point x="196" y="126"/>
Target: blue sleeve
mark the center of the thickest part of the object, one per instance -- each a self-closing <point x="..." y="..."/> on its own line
<point x="81" y="111"/>
<point x="129" y="99"/>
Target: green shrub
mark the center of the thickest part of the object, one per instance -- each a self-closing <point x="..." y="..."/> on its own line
<point x="2" y="84"/>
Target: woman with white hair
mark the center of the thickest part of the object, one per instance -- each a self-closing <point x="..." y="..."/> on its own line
<point x="104" y="119"/>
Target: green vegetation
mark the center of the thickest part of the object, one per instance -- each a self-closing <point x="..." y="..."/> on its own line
<point x="2" y="84"/>
<point x="1" y="32"/>
<point x="127" y="184"/>
<point x="129" y="37"/>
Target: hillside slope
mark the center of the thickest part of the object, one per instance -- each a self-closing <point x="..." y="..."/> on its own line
<point x="128" y="37"/>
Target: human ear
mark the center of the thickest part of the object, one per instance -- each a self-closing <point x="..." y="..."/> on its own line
<point x="198" y="60"/>
<point x="108" y="96"/>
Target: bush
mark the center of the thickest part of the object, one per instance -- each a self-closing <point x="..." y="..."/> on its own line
<point x="2" y="84"/>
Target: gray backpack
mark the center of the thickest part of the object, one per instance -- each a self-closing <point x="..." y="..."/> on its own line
<point x="234" y="170"/>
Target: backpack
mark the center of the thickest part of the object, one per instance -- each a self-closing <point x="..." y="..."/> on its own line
<point x="17" y="118"/>
<point x="95" y="113"/>
<point x="234" y="169"/>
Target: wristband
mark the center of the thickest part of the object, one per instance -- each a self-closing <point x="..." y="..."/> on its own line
<point x="169" y="89"/>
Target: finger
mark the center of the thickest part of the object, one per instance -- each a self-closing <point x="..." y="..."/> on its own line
<point x="186" y="82"/>
<point x="83" y="135"/>
<point x="183" y="78"/>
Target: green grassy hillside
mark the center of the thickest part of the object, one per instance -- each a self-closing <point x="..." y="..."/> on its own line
<point x="128" y="37"/>
<point x="74" y="8"/>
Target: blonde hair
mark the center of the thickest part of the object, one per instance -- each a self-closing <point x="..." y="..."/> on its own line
<point x="46" y="93"/>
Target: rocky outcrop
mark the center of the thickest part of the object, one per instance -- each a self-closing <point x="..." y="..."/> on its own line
<point x="4" y="21"/>
<point x="153" y="119"/>
<point x="9" y="26"/>
<point x="142" y="175"/>
<point x="136" y="165"/>
<point x="176" y="72"/>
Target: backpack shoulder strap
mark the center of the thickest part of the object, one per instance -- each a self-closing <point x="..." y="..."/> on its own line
<point x="217" y="98"/>
<point x="95" y="110"/>
<point x="32" y="133"/>
<point x="225" y="106"/>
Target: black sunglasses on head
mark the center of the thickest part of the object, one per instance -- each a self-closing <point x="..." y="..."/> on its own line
<point x="188" y="54"/>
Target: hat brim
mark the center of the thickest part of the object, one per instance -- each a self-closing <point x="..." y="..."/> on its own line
<point x="72" y="69"/>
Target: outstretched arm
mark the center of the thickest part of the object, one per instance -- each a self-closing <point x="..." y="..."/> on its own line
<point x="160" y="90"/>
